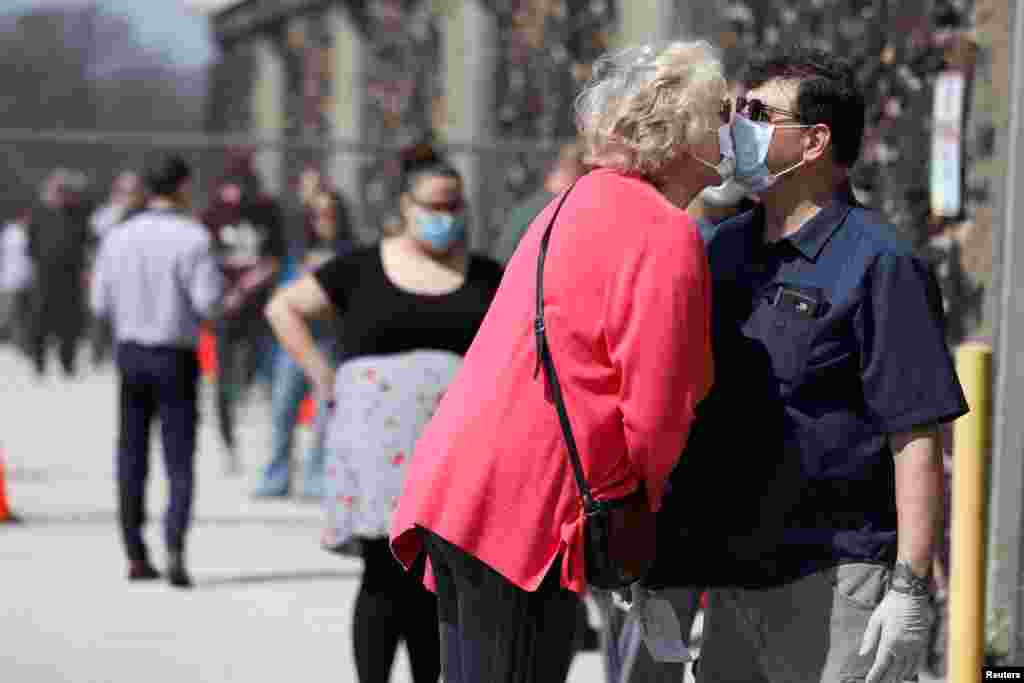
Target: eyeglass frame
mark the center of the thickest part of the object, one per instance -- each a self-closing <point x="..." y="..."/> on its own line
<point x="757" y="108"/>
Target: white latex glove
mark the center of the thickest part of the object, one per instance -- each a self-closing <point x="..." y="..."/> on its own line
<point x="659" y="624"/>
<point x="623" y="598"/>
<point x="899" y="628"/>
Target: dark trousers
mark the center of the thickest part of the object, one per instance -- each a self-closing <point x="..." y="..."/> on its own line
<point x="156" y="383"/>
<point x="243" y="343"/>
<point x="58" y="314"/>
<point x="492" y="630"/>
<point x="393" y="606"/>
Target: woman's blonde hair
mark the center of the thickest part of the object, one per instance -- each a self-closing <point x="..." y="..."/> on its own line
<point x="644" y="105"/>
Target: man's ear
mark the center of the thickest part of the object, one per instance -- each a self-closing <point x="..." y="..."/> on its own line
<point x="817" y="142"/>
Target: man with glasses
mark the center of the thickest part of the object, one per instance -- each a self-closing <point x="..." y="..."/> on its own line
<point x="832" y="378"/>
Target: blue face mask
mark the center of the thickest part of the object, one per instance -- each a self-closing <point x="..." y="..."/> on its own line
<point x="440" y="230"/>
<point x="751" y="142"/>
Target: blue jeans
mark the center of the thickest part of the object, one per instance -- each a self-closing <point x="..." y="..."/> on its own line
<point x="289" y="389"/>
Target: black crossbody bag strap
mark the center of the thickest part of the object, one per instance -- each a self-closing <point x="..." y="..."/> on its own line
<point x="544" y="358"/>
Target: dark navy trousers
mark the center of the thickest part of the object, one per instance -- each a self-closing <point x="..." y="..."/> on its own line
<point x="156" y="383"/>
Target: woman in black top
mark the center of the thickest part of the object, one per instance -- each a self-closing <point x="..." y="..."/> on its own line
<point x="419" y="290"/>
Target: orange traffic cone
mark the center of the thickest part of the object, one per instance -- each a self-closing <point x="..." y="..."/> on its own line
<point x="5" y="510"/>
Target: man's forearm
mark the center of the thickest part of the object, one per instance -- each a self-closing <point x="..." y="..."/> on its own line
<point x="919" y="496"/>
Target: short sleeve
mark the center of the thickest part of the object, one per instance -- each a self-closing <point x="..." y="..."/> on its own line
<point x="337" y="278"/>
<point x="907" y="372"/>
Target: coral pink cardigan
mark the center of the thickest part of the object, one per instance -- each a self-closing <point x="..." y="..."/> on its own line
<point x="627" y="306"/>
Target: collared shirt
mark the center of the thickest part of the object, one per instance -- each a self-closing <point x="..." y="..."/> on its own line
<point x="826" y="343"/>
<point x="106" y="217"/>
<point x="157" y="279"/>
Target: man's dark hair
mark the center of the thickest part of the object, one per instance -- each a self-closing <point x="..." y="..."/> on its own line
<point x="827" y="94"/>
<point x="165" y="178"/>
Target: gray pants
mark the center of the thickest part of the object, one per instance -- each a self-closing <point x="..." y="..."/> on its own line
<point x="808" y="631"/>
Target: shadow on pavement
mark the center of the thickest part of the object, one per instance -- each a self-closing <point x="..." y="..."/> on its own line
<point x="109" y="517"/>
<point x="277" y="577"/>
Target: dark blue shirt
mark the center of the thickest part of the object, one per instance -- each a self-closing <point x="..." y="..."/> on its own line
<point x="825" y="342"/>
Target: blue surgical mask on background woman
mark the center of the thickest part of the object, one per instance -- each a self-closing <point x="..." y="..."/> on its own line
<point x="440" y="230"/>
<point x="751" y="142"/>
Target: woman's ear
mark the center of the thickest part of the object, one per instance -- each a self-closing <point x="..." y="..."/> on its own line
<point x="817" y="142"/>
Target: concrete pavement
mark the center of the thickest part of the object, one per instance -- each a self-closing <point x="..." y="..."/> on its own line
<point x="269" y="604"/>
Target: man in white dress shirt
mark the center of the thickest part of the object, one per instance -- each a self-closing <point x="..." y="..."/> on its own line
<point x="157" y="279"/>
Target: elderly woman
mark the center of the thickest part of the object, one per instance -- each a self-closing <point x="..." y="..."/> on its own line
<point x="490" y="493"/>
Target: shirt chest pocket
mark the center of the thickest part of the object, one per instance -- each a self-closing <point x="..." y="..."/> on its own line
<point x="786" y="337"/>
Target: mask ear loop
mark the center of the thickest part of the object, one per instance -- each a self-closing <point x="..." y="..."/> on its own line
<point x="802" y="161"/>
<point x="790" y="169"/>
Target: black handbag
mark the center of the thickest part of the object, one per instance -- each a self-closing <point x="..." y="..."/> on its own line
<point x="620" y="535"/>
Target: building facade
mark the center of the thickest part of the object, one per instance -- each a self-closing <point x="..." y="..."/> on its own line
<point x="344" y="83"/>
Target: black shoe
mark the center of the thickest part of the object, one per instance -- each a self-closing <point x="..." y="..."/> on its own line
<point x="142" y="571"/>
<point x="176" y="574"/>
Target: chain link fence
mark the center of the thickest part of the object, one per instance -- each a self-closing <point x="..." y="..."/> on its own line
<point x="499" y="176"/>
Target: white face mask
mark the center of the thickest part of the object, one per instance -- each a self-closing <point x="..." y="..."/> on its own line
<point x="727" y="164"/>
<point x="751" y="142"/>
<point x="728" y="194"/>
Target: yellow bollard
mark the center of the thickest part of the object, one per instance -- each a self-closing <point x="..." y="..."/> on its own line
<point x="972" y="436"/>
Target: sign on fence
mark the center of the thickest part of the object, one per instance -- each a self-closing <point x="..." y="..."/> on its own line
<point x="947" y="144"/>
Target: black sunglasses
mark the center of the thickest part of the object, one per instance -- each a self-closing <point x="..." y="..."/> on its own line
<point x="757" y="111"/>
<point x="725" y="113"/>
